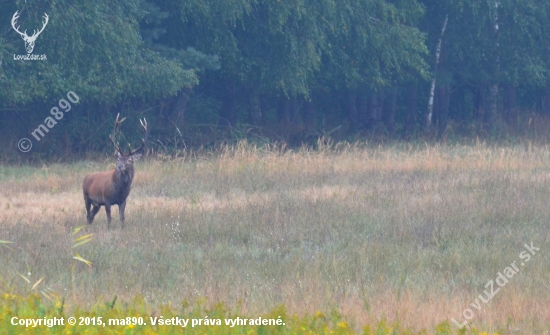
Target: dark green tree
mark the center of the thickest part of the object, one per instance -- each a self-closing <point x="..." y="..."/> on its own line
<point x="93" y="48"/>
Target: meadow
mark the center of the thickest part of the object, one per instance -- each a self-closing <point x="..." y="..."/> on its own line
<point x="405" y="233"/>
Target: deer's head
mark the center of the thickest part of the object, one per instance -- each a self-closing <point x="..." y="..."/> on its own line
<point x="125" y="162"/>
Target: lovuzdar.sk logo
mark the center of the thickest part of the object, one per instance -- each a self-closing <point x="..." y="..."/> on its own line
<point x="29" y="40"/>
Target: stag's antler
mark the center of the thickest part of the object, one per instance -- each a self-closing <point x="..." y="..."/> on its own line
<point x="143" y="140"/>
<point x="112" y="137"/>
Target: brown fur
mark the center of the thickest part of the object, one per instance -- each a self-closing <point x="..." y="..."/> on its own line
<point x="109" y="188"/>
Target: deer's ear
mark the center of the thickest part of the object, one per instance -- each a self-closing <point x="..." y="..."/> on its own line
<point x="135" y="157"/>
<point x="118" y="154"/>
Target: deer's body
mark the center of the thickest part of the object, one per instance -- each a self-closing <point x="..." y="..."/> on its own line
<point x="111" y="187"/>
<point x="107" y="189"/>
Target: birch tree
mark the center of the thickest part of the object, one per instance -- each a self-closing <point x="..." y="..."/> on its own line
<point x="491" y="113"/>
<point x="432" y="88"/>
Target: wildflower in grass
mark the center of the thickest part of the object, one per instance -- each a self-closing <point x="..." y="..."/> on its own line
<point x="367" y="330"/>
<point x="444" y="328"/>
<point x="343" y="324"/>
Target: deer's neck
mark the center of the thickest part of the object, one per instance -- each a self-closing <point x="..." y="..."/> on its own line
<point x="122" y="180"/>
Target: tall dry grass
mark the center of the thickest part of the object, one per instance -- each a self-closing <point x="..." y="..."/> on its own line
<point x="407" y="232"/>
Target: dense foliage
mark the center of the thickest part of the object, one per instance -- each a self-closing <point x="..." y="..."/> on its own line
<point x="277" y="70"/>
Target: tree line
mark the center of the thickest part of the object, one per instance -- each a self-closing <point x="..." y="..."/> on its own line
<point x="209" y="70"/>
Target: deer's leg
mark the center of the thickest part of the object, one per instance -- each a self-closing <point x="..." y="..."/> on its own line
<point x="88" y="204"/>
<point x="108" y="211"/>
<point x="92" y="214"/>
<point x="121" y="209"/>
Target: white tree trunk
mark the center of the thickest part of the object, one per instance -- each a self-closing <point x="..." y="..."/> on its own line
<point x="491" y="115"/>
<point x="432" y="89"/>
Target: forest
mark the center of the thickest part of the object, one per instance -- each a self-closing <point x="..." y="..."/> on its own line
<point x="208" y="72"/>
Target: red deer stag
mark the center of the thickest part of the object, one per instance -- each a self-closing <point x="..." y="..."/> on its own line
<point x="112" y="187"/>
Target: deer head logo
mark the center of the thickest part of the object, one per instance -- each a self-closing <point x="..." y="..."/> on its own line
<point x="29" y="40"/>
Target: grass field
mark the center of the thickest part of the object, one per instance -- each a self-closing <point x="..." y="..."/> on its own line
<point x="406" y="233"/>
